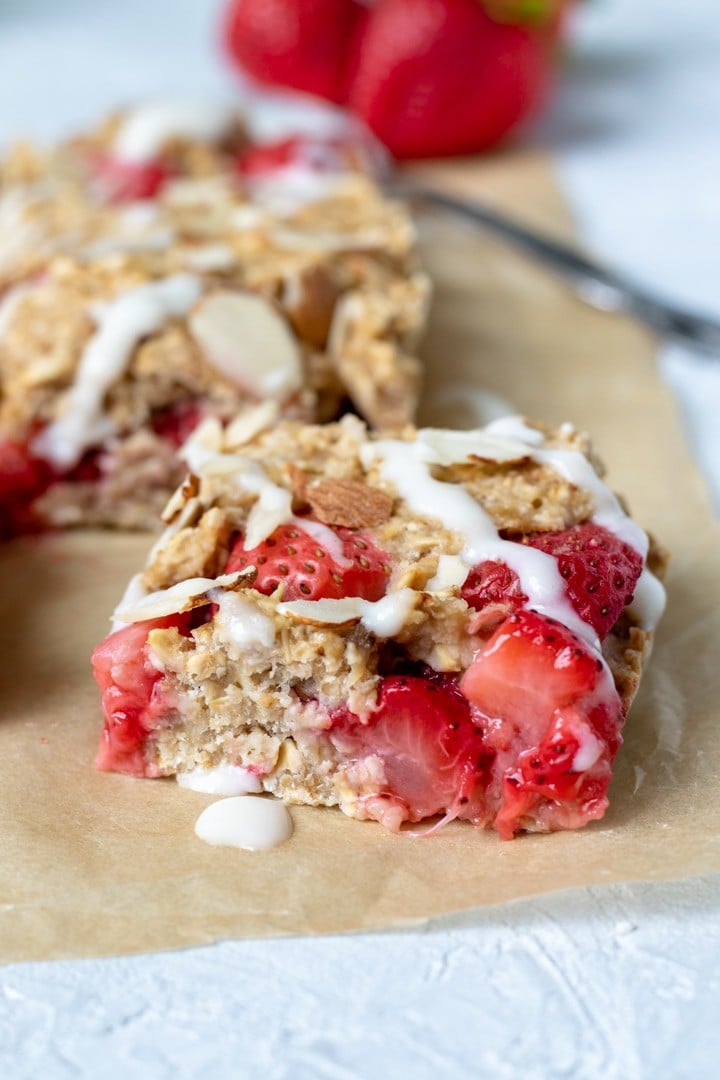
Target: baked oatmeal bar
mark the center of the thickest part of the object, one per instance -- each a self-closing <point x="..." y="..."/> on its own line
<point x="444" y="623"/>
<point x="277" y="283"/>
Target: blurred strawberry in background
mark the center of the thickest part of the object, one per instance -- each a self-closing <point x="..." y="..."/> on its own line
<point x="431" y="78"/>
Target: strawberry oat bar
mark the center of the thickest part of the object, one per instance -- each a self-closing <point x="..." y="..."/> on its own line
<point x="434" y="625"/>
<point x="273" y="274"/>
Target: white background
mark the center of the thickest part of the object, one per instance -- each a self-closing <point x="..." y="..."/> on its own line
<point x="614" y="982"/>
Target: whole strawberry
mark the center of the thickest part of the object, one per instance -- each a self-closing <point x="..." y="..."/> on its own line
<point x="298" y="43"/>
<point x="435" y="78"/>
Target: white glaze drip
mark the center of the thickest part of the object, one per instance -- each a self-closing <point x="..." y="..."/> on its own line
<point x="121" y="323"/>
<point x="145" y="130"/>
<point x="578" y="471"/>
<point x="246" y="821"/>
<point x="588" y="751"/>
<point x="221" y="780"/>
<point x="241" y="625"/>
<point x="649" y="600"/>
<point x="406" y="466"/>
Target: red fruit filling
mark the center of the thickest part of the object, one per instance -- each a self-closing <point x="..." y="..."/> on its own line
<point x="308" y="571"/>
<point x="432" y="753"/>
<point x="132" y="699"/>
<point x="552" y="716"/>
<point x="177" y="423"/>
<point x="323" y="156"/>
<point x="493" y="590"/>
<point x="129" y="181"/>
<point x="600" y="571"/>
<point x="24" y="477"/>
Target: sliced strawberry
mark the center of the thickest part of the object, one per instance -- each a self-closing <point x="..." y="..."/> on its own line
<point x="129" y="181"/>
<point x="432" y="754"/>
<point x="600" y="570"/>
<point x="542" y="698"/>
<point x="132" y="702"/>
<point x="308" y="571"/>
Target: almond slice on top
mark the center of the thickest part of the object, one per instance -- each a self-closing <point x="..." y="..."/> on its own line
<point x="244" y="337"/>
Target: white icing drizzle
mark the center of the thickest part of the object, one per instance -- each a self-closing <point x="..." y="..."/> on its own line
<point x="577" y="470"/>
<point x="385" y="617"/>
<point x="121" y="323"/>
<point x="649" y="600"/>
<point x="326" y="538"/>
<point x="588" y="751"/>
<point x="246" y="821"/>
<point x="145" y="130"/>
<point x="241" y="625"/>
<point x="221" y="780"/>
<point x="406" y="466"/>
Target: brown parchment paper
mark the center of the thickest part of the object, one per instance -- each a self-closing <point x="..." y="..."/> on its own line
<point x="94" y="864"/>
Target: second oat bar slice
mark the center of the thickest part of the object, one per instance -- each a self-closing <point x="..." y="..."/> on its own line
<point x="438" y="625"/>
<point x="241" y="287"/>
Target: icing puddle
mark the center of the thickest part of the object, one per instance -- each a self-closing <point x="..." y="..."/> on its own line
<point x="250" y="822"/>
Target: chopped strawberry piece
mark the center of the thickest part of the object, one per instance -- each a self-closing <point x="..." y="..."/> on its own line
<point x="132" y="700"/>
<point x="601" y="571"/>
<point x="177" y="423"/>
<point x="432" y="754"/>
<point x="308" y="571"/>
<point x="129" y="181"/>
<point x="552" y="716"/>
<point x="493" y="590"/>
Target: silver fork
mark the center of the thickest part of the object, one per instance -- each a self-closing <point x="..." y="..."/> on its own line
<point x="603" y="288"/>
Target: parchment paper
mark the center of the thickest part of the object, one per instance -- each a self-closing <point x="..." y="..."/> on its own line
<point x="95" y="864"/>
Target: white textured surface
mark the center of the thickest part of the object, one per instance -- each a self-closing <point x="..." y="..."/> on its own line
<point x="619" y="982"/>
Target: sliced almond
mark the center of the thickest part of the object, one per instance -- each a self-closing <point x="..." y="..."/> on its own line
<point x="309" y="299"/>
<point x="349" y="503"/>
<point x="248" y="424"/>
<point x="324" y="612"/>
<point x="188" y="490"/>
<point x="184" y="596"/>
<point x="244" y="337"/>
<point x="455" y="447"/>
